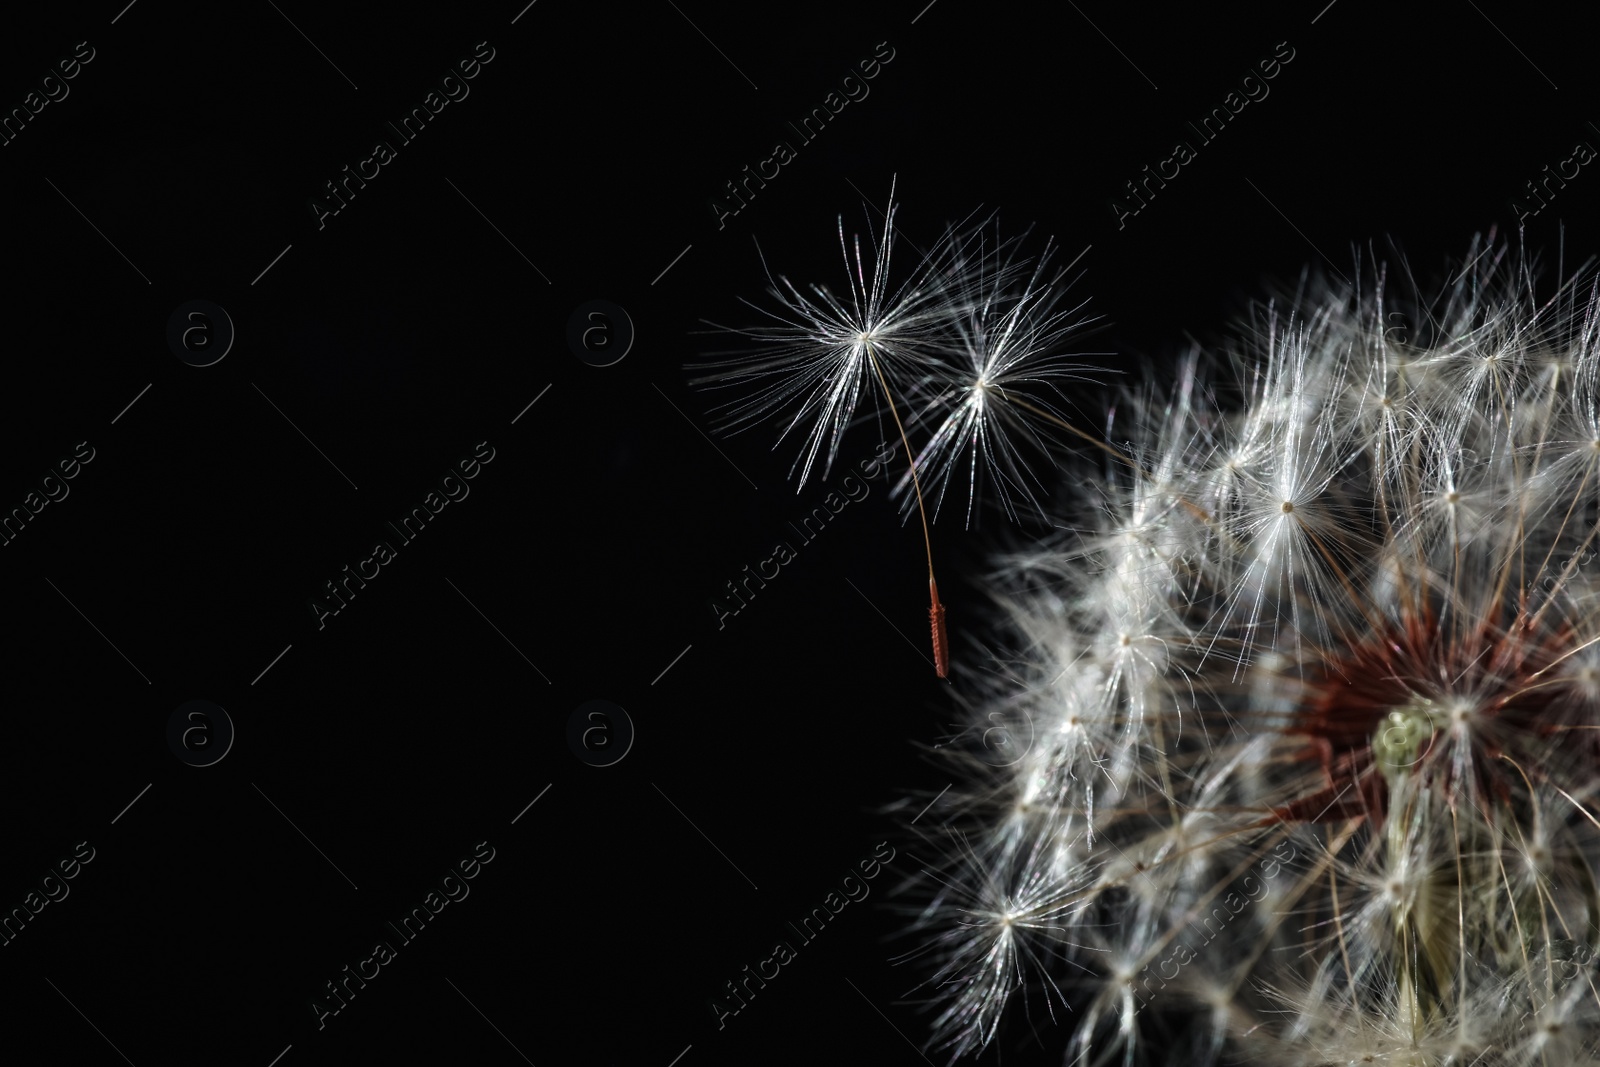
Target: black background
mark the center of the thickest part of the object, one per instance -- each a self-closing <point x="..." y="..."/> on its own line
<point x="430" y="712"/>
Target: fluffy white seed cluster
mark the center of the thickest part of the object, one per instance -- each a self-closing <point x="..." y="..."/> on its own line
<point x="1293" y="757"/>
<point x="967" y="352"/>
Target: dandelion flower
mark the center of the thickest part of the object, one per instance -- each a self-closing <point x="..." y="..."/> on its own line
<point x="1312" y="691"/>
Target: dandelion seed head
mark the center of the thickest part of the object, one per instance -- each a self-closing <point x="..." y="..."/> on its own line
<point x="1317" y="676"/>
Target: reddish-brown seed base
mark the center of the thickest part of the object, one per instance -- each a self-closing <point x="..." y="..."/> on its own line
<point x="1491" y="665"/>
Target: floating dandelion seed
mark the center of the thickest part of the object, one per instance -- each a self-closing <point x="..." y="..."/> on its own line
<point x="961" y="343"/>
<point x="1314" y="701"/>
<point x="1003" y="364"/>
<point x="818" y="356"/>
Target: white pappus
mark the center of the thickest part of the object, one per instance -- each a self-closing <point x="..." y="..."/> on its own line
<point x="1309" y="680"/>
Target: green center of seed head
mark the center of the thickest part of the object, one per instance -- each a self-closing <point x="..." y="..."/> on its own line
<point x="1403" y="736"/>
